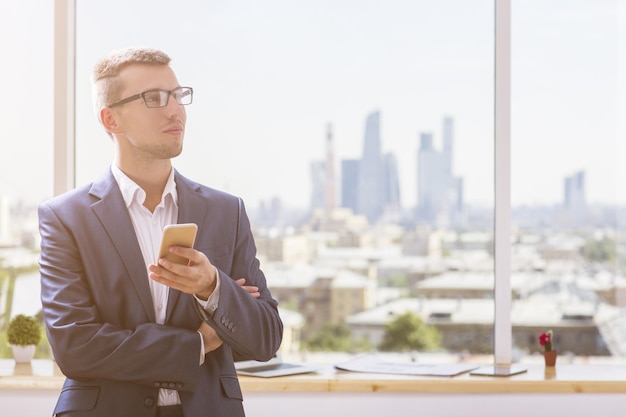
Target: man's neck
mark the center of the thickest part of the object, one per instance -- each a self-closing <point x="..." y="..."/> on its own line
<point x="152" y="179"/>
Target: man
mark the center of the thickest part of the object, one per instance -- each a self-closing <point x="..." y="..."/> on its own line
<point x="136" y="335"/>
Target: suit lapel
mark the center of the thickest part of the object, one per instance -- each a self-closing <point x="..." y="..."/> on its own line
<point x="192" y="207"/>
<point x="112" y="213"/>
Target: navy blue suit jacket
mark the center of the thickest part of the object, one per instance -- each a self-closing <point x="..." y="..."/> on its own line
<point x="100" y="319"/>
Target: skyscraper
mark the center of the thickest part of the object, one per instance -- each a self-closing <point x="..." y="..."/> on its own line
<point x="349" y="183"/>
<point x="370" y="194"/>
<point x="330" y="184"/>
<point x="370" y="186"/>
<point x="574" y="198"/>
<point x="323" y="181"/>
<point x="391" y="187"/>
<point x="448" y="144"/>
<point x="431" y="179"/>
<point x="439" y="193"/>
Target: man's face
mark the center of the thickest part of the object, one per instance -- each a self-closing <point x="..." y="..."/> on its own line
<point x="149" y="133"/>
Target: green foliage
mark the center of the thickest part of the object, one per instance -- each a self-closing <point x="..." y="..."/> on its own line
<point x="24" y="330"/>
<point x="408" y="332"/>
<point x="397" y="281"/>
<point x="331" y="337"/>
<point x="5" y="349"/>
<point x="43" y="350"/>
<point x="334" y="338"/>
<point x="601" y="250"/>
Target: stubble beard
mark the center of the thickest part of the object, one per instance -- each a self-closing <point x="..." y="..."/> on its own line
<point x="160" y="152"/>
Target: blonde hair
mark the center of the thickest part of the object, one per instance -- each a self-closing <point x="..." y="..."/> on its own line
<point x="105" y="82"/>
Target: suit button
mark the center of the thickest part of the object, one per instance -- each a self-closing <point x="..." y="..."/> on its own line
<point x="148" y="402"/>
<point x="157" y="384"/>
<point x="163" y="384"/>
<point x="179" y="385"/>
<point x="172" y="385"/>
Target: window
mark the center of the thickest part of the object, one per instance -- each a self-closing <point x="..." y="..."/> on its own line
<point x="568" y="209"/>
<point x="26" y="159"/>
<point x="410" y="108"/>
<point x="346" y="127"/>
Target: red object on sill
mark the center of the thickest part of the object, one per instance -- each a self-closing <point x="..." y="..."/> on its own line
<point x="550" y="357"/>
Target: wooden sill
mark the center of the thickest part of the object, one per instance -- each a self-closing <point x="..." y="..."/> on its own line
<point x="565" y="378"/>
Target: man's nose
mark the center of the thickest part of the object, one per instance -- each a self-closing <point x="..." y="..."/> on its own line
<point x="173" y="108"/>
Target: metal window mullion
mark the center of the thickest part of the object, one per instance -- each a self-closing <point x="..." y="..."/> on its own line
<point x="64" y="143"/>
<point x="502" y="180"/>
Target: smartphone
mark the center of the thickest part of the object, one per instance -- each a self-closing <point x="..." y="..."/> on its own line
<point x="183" y="234"/>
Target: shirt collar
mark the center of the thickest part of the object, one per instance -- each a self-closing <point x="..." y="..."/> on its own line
<point x="131" y="191"/>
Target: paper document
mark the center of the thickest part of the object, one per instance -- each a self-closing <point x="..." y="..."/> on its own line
<point x="373" y="364"/>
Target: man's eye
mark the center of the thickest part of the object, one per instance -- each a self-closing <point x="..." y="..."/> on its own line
<point x="153" y="98"/>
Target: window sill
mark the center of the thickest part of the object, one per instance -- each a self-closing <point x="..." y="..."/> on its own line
<point x="566" y="378"/>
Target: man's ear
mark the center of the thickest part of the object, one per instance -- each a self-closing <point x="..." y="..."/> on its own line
<point x="108" y="119"/>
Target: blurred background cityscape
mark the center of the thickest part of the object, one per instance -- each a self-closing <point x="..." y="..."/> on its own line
<point x="356" y="260"/>
<point x="360" y="137"/>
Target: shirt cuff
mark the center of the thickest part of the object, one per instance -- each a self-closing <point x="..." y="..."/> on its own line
<point x="210" y="305"/>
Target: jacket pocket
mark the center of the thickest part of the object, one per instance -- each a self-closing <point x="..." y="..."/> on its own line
<point x="231" y="388"/>
<point x="77" y="399"/>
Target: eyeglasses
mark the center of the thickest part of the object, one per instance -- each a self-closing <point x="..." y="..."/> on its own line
<point x="159" y="98"/>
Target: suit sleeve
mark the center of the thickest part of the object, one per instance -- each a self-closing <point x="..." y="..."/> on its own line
<point x="251" y="326"/>
<point x="92" y="334"/>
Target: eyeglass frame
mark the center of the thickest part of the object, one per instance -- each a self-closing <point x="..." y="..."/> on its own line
<point x="142" y="95"/>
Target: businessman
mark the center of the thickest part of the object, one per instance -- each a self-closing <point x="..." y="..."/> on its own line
<point x="135" y="335"/>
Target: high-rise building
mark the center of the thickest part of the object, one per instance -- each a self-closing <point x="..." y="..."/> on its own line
<point x="439" y="193"/>
<point x="574" y="198"/>
<point x="370" y="193"/>
<point x="370" y="186"/>
<point x="330" y="182"/>
<point x="349" y="183"/>
<point x="431" y="179"/>
<point x="323" y="181"/>
<point x="448" y="143"/>
<point x="391" y="187"/>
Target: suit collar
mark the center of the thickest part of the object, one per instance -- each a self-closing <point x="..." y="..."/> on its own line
<point x="192" y="208"/>
<point x="192" y="205"/>
<point x="113" y="214"/>
<point x="111" y="210"/>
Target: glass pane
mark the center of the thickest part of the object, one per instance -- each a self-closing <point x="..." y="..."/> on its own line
<point x="567" y="186"/>
<point x="361" y="139"/>
<point x="26" y="115"/>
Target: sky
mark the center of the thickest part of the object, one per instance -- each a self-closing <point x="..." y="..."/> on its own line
<point x="269" y="77"/>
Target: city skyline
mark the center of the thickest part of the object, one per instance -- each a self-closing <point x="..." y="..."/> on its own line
<point x="440" y="194"/>
<point x="263" y="100"/>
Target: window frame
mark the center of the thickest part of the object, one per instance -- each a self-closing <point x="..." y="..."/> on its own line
<point x="64" y="164"/>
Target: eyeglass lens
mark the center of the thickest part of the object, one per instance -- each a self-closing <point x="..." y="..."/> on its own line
<point x="159" y="98"/>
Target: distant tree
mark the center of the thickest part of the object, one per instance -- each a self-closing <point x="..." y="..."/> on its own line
<point x="601" y="250"/>
<point x="408" y="332"/>
<point x="397" y="281"/>
<point x="331" y="338"/>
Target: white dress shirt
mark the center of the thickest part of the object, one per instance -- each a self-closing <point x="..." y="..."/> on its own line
<point x="149" y="230"/>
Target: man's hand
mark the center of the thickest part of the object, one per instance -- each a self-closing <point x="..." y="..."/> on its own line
<point x="198" y="277"/>
<point x="254" y="291"/>
<point x="209" y="337"/>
